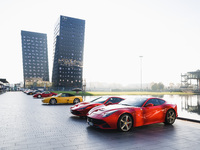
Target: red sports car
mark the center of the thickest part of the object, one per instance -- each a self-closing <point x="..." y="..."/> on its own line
<point x="132" y="112"/>
<point x="44" y="94"/>
<point x="81" y="109"/>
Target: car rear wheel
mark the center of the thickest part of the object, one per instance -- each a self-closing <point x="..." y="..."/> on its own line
<point x="39" y="96"/>
<point x="53" y="101"/>
<point x="76" y="100"/>
<point x="125" y="122"/>
<point x="170" y="117"/>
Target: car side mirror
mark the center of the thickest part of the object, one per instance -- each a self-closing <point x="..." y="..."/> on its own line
<point x="149" y="105"/>
<point x="109" y="103"/>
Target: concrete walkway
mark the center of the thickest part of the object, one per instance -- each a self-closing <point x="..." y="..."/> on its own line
<point x="25" y="123"/>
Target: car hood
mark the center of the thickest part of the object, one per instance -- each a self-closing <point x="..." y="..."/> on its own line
<point x="83" y="104"/>
<point x="103" y="108"/>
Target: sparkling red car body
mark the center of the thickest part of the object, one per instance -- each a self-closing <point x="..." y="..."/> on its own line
<point x="82" y="108"/>
<point x="44" y="94"/>
<point x="124" y="117"/>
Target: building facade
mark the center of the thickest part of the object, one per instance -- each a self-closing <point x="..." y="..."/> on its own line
<point x="68" y="53"/>
<point x="35" y="56"/>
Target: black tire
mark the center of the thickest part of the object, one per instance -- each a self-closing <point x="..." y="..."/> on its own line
<point x="76" y="100"/>
<point x="125" y="123"/>
<point x="39" y="96"/>
<point x="170" y="117"/>
<point x="52" y="101"/>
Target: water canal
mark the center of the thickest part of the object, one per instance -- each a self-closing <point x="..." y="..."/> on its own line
<point x="188" y="105"/>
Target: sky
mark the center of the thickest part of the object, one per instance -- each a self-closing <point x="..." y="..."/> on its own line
<point x="117" y="32"/>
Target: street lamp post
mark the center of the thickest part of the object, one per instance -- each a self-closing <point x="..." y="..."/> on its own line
<point x="141" y="73"/>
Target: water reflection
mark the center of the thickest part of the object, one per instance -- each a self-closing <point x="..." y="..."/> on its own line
<point x="188" y="105"/>
<point x="191" y="103"/>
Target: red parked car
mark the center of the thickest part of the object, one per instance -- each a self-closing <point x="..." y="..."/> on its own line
<point x="132" y="112"/>
<point x="81" y="109"/>
<point x="44" y="94"/>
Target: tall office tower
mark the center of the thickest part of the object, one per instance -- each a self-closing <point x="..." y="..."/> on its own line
<point x="68" y="53"/>
<point x="35" y="57"/>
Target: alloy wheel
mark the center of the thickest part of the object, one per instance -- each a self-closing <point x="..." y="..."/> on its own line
<point x="76" y="100"/>
<point x="170" y="117"/>
<point x="53" y="101"/>
<point x="125" y="122"/>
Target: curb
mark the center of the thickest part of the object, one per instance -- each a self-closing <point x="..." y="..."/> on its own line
<point x="192" y="120"/>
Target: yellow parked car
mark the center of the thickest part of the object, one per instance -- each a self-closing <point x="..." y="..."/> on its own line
<point x="63" y="98"/>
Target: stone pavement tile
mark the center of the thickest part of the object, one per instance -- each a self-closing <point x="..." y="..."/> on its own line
<point x="66" y="144"/>
<point x="7" y="144"/>
<point x="165" y="148"/>
<point x="15" y="147"/>
<point x="52" y="146"/>
<point x="193" y="147"/>
<point x="27" y="142"/>
<point x="183" y="145"/>
<point x="68" y="148"/>
<point x="38" y="145"/>
<point x="60" y="141"/>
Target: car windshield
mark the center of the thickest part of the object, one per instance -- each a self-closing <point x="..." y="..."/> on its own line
<point x="134" y="101"/>
<point x="58" y="95"/>
<point x="100" y="100"/>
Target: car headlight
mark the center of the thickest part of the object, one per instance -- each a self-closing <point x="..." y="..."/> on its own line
<point x="109" y="113"/>
<point x="83" y="108"/>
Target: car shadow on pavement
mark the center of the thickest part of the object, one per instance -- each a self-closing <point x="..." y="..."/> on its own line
<point x="78" y="119"/>
<point x="151" y="134"/>
<point x="159" y="128"/>
<point x="58" y="105"/>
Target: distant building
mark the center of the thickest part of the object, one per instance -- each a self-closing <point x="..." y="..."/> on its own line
<point x="186" y="81"/>
<point x="68" y="53"/>
<point x="35" y="56"/>
<point x="3" y="83"/>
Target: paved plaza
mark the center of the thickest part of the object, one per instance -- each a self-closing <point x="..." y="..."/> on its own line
<point x="26" y="123"/>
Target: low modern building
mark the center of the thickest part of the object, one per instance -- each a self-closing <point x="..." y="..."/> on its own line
<point x="3" y="83"/>
<point x="35" y="56"/>
<point x="68" y="53"/>
<point x="186" y="81"/>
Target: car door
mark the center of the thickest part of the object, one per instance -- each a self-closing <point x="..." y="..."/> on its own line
<point x="46" y="94"/>
<point x="49" y="94"/>
<point x="43" y="94"/>
<point x="63" y="98"/>
<point x="70" y="98"/>
<point x="153" y="113"/>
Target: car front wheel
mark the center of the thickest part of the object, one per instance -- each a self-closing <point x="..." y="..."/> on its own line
<point x="125" y="122"/>
<point x="76" y="100"/>
<point x="170" y="117"/>
<point x="53" y="101"/>
<point x="39" y="96"/>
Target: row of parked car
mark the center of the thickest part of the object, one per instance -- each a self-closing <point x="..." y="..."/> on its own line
<point x="110" y="112"/>
<point x="124" y="114"/>
<point x="54" y="98"/>
<point x="39" y="93"/>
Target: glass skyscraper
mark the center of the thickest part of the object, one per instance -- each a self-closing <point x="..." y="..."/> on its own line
<point x="35" y="56"/>
<point x="68" y="53"/>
